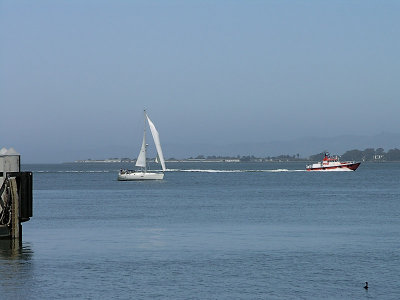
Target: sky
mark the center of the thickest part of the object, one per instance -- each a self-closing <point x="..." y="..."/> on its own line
<point x="75" y="76"/>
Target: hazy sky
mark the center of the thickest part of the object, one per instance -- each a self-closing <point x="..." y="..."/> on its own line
<point x="76" y="75"/>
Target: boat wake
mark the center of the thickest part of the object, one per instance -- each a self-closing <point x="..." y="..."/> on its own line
<point x="177" y="170"/>
<point x="232" y="171"/>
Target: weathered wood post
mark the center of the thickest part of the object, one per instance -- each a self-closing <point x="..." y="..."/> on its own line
<point x="15" y="220"/>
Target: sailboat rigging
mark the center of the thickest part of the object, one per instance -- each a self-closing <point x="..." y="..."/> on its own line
<point x="143" y="173"/>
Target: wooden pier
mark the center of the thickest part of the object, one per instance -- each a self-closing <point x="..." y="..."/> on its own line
<point x="15" y="204"/>
<point x="15" y="195"/>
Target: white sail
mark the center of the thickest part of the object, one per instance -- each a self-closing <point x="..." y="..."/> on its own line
<point x="126" y="175"/>
<point x="156" y="139"/>
<point x="141" y="160"/>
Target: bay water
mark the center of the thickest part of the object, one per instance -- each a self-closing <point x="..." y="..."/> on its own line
<point x="208" y="231"/>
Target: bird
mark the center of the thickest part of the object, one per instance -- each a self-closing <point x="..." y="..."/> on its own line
<point x="366" y="285"/>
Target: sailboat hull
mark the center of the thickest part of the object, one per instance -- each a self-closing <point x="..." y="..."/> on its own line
<point x="140" y="176"/>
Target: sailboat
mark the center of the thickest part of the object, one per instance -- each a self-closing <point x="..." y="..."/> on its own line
<point x="141" y="162"/>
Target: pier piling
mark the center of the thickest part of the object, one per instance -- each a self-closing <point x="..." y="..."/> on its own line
<point x="15" y="195"/>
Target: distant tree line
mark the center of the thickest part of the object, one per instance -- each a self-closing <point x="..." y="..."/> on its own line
<point x="369" y="154"/>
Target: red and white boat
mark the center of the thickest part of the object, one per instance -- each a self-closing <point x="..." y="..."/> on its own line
<point x="332" y="163"/>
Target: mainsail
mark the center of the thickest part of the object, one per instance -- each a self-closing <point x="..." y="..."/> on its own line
<point x="156" y="139"/>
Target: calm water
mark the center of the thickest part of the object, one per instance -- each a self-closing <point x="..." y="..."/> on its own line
<point x="208" y="231"/>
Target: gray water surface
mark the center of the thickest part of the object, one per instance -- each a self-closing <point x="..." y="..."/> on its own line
<point x="208" y="231"/>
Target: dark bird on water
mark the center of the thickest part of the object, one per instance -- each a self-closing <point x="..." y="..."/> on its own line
<point x="366" y="285"/>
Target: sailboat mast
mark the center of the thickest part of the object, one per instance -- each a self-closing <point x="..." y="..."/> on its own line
<point x="144" y="139"/>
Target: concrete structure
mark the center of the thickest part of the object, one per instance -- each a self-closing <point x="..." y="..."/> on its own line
<point x="9" y="162"/>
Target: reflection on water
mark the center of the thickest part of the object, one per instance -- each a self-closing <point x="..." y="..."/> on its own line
<point x="14" y="250"/>
<point x="15" y="269"/>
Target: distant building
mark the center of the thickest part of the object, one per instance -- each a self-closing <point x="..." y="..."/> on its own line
<point x="379" y="157"/>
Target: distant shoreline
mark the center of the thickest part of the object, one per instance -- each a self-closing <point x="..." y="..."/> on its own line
<point x="213" y="161"/>
<point x="367" y="155"/>
<point x="168" y="160"/>
<point x="187" y="161"/>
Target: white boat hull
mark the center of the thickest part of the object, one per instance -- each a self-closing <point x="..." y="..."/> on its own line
<point x="338" y="169"/>
<point x="341" y="167"/>
<point x="140" y="176"/>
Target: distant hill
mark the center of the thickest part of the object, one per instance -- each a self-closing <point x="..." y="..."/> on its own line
<point x="304" y="146"/>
